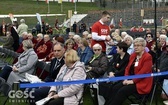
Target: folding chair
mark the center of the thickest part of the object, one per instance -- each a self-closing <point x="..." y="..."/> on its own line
<point x="139" y="99"/>
<point x="43" y="66"/>
<point x="2" y="81"/>
<point x="5" y="89"/>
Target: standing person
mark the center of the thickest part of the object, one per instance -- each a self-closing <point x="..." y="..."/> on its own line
<point x="74" y="26"/>
<point x="101" y="32"/>
<point x="22" y="28"/>
<point x="38" y="27"/>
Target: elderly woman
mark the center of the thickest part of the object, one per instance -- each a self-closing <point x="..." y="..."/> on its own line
<point x="162" y="39"/>
<point x="129" y="40"/>
<point x="98" y="64"/>
<point x="26" y="64"/>
<point x="84" y="51"/>
<point x="72" y="70"/>
<point x="140" y="62"/>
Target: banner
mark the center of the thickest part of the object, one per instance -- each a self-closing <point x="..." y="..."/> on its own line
<point x="112" y="24"/>
<point x="120" y="23"/>
<point x="39" y="18"/>
<point x="60" y="1"/>
<point x="47" y="1"/>
<point x="73" y="1"/>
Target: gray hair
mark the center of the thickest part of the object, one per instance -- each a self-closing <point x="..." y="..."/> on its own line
<point x="140" y="40"/>
<point x="22" y="21"/>
<point x="40" y="35"/>
<point x="27" y="44"/>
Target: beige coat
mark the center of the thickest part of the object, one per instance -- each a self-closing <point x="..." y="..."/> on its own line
<point x="72" y="93"/>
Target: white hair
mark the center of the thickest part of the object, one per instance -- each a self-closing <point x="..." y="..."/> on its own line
<point x="85" y="33"/>
<point x="97" y="45"/>
<point x="128" y="36"/>
<point x="163" y="36"/>
<point x="124" y="33"/>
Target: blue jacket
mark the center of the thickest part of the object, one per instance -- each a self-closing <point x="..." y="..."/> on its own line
<point x="85" y="55"/>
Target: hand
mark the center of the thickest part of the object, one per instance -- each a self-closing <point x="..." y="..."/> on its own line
<point x="89" y="68"/>
<point x="55" y="96"/>
<point x="111" y="74"/>
<point x="14" y="68"/>
<point x="125" y="82"/>
<point x="51" y="94"/>
<point x="128" y="82"/>
<point x="108" y="38"/>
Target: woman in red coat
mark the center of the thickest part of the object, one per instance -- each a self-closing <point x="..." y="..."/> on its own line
<point x="140" y="62"/>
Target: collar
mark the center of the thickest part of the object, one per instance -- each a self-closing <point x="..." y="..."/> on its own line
<point x="101" y="22"/>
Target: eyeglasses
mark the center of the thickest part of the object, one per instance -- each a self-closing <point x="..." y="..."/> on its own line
<point x="96" y="49"/>
<point x="137" y="45"/>
<point x="89" y="38"/>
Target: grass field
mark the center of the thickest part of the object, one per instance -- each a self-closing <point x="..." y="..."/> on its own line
<point x="32" y="7"/>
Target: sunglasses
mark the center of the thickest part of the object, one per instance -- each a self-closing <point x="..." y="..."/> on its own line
<point x="96" y="49"/>
<point x="89" y="38"/>
<point x="149" y="36"/>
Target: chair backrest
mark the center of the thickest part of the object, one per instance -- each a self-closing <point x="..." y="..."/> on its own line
<point x="2" y="81"/>
<point x="5" y="88"/>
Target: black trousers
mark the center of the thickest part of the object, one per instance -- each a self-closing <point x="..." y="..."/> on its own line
<point x="6" y="72"/>
<point x="120" y="93"/>
<point x="58" y="101"/>
<point x="38" y="94"/>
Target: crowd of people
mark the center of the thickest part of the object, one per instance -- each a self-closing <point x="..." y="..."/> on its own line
<point x="96" y="54"/>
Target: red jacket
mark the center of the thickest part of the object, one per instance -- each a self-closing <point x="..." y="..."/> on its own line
<point x="143" y="85"/>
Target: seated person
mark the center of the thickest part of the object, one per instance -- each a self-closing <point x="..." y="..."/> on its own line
<point x="98" y="64"/>
<point x="84" y="51"/>
<point x="116" y="67"/>
<point x="73" y="69"/>
<point x="25" y="64"/>
<point x="8" y="42"/>
<point x="44" y="50"/>
<point x="40" y="41"/>
<point x="162" y="63"/>
<point x="140" y="62"/>
<point x="56" y="63"/>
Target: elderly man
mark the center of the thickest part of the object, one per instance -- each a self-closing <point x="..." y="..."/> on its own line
<point x="22" y="28"/>
<point x="56" y="64"/>
<point x="45" y="49"/>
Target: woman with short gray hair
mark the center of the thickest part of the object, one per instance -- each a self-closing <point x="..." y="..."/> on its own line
<point x="25" y="64"/>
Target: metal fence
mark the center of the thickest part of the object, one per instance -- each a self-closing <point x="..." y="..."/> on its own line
<point x="113" y="4"/>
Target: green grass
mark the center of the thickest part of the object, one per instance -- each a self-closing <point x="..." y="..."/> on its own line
<point x="32" y="7"/>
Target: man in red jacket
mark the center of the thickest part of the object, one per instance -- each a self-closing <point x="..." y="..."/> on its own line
<point x="101" y="31"/>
